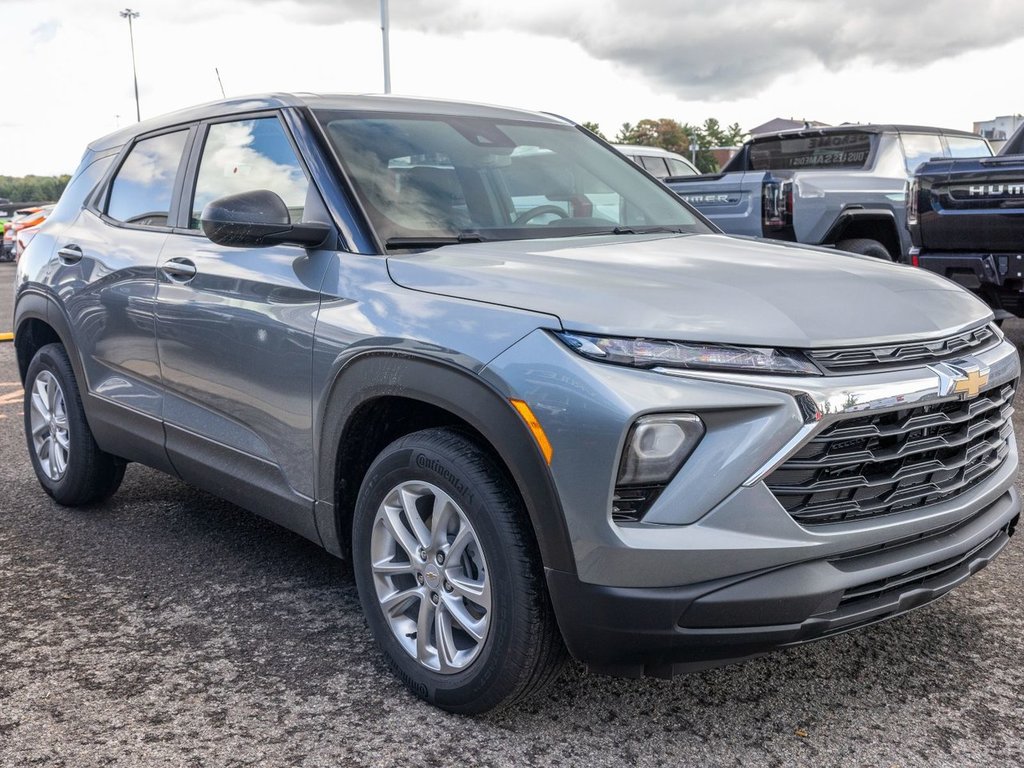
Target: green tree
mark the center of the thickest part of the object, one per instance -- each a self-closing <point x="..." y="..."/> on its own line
<point x="665" y="133"/>
<point x="712" y="134"/>
<point x="32" y="189"/>
<point x="595" y="129"/>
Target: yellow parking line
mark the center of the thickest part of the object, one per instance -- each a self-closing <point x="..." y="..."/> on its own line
<point x="6" y="337"/>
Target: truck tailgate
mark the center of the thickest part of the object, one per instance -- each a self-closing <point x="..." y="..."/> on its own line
<point x="732" y="201"/>
<point x="977" y="205"/>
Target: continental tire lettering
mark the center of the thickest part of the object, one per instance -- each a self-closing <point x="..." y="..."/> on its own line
<point x="435" y="466"/>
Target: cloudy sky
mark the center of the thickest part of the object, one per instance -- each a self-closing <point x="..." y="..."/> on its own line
<point x="945" y="62"/>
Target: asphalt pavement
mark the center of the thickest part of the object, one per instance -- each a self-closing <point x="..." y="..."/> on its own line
<point x="168" y="628"/>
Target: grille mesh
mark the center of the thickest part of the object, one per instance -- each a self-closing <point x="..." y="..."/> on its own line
<point x="868" y="466"/>
<point x="855" y="359"/>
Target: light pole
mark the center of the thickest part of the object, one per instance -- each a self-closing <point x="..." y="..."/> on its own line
<point x="129" y="14"/>
<point x="385" y="23"/>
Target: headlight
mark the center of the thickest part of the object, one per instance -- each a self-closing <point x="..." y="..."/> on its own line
<point x="651" y="353"/>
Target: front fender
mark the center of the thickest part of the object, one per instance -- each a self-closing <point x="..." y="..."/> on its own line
<point x="389" y="373"/>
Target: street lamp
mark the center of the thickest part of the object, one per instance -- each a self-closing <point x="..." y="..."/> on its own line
<point x="385" y="24"/>
<point x="129" y="14"/>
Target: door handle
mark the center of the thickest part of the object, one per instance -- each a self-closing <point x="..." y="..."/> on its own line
<point x="179" y="270"/>
<point x="70" y="254"/>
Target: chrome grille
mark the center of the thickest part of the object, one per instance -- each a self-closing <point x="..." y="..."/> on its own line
<point x="854" y="359"/>
<point x="867" y="466"/>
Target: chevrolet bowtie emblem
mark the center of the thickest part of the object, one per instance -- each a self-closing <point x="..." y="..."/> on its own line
<point x="964" y="378"/>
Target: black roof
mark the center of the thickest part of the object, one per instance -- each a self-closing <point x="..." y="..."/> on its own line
<point x="863" y="128"/>
<point x="348" y="102"/>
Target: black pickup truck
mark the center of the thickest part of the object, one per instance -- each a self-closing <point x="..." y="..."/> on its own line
<point x="966" y="220"/>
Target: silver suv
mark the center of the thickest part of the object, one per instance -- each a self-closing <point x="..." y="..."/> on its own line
<point x="540" y="403"/>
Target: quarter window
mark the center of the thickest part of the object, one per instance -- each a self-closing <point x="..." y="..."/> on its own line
<point x="144" y="185"/>
<point x="965" y="146"/>
<point x="245" y="156"/>
<point x="654" y="165"/>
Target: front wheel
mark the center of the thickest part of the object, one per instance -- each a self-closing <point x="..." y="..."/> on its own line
<point x="449" y="576"/>
<point x="67" y="461"/>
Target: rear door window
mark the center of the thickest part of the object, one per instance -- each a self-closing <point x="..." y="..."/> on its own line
<point x="920" y="148"/>
<point x="143" y="187"/>
<point x="831" y="150"/>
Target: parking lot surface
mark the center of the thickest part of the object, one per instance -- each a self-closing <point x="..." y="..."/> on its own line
<point x="170" y="628"/>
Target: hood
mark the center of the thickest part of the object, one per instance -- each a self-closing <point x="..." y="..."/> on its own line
<point x="710" y="288"/>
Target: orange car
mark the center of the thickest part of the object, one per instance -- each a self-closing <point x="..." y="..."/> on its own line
<point x="23" y="219"/>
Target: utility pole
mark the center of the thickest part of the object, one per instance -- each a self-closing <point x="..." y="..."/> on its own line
<point x="385" y="23"/>
<point x="129" y="14"/>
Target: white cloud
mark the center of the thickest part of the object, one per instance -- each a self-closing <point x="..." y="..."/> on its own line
<point x="69" y="74"/>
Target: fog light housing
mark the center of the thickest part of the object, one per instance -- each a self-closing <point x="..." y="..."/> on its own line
<point x="655" y="449"/>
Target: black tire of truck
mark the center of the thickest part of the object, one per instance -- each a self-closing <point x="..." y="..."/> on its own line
<point x="865" y="247"/>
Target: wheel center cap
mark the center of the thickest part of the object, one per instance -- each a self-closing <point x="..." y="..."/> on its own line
<point x="433" y="578"/>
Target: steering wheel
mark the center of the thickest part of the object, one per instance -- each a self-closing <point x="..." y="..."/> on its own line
<point x="540" y="210"/>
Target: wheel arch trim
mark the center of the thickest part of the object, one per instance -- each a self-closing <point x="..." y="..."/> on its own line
<point x="376" y="374"/>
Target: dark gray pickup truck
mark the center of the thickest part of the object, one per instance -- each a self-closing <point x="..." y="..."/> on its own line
<point x="842" y="186"/>
<point x="966" y="219"/>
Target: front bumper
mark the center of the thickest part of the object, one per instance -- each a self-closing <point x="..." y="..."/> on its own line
<point x="660" y="632"/>
<point x="718" y="570"/>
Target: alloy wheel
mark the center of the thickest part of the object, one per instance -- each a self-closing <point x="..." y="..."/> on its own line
<point x="430" y="577"/>
<point x="49" y="420"/>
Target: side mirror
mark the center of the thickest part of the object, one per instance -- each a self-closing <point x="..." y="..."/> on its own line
<point x="258" y="218"/>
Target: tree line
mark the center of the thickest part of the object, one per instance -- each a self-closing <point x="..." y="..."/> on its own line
<point x="679" y="138"/>
<point x="24" y="189"/>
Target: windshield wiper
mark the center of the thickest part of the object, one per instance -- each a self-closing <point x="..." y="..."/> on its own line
<point x="643" y="231"/>
<point x="399" y="243"/>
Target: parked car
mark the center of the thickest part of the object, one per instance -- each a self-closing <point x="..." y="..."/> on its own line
<point x="842" y="186"/>
<point x="966" y="218"/>
<point x="23" y="219"/>
<point x="658" y="162"/>
<point x="619" y="433"/>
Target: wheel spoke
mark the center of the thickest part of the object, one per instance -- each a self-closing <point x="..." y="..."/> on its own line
<point x="423" y="624"/>
<point x="442" y="513"/>
<point x="412" y="514"/>
<point x="39" y="400"/>
<point x="393" y="522"/>
<point x="393" y="567"/>
<point x="462" y="538"/>
<point x="475" y="628"/>
<point x="58" y="458"/>
<point x="477" y="592"/>
<point x="400" y="599"/>
<point x="443" y="638"/>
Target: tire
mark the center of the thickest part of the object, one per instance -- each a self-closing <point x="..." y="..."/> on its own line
<point x="865" y="247"/>
<point x="517" y="649"/>
<point x="67" y="461"/>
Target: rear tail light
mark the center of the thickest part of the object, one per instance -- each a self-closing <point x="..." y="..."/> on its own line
<point x="776" y="204"/>
<point x="913" y="189"/>
<point x="915" y="257"/>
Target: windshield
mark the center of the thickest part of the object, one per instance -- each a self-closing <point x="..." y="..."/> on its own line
<point x="446" y="177"/>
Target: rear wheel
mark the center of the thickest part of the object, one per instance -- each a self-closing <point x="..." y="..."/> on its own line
<point x="67" y="461"/>
<point x="449" y="576"/>
<point x="864" y="246"/>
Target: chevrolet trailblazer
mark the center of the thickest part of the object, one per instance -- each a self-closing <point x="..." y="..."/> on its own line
<point x="540" y="402"/>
